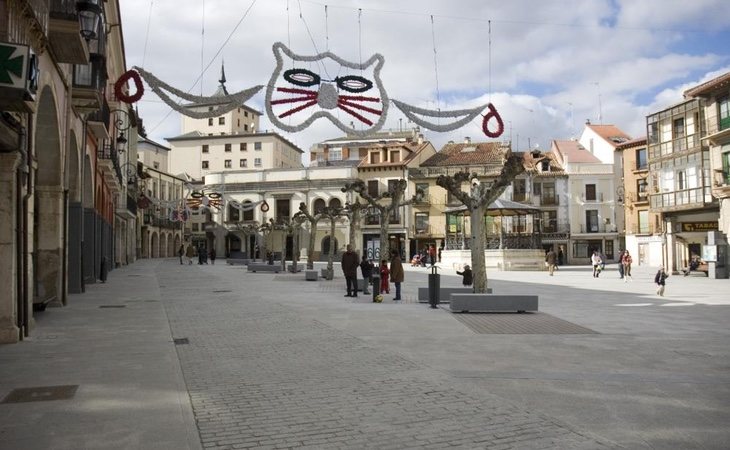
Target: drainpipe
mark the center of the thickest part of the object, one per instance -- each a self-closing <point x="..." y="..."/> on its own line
<point x="24" y="172"/>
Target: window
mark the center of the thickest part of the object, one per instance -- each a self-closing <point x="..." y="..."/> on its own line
<point x="642" y="190"/>
<point x="421" y="192"/>
<point x="518" y="190"/>
<point x="227" y="163"/>
<point x="681" y="180"/>
<point x="243" y="147"/>
<point x="204" y="164"/>
<point x="210" y="122"/>
<point x="205" y="148"/>
<point x="156" y="165"/>
<point x="221" y="121"/>
<point x="257" y="145"/>
<point x="547" y="197"/>
<point x="592" y="221"/>
<point x="395" y="216"/>
<point x="245" y="127"/>
<point x="375" y="158"/>
<point x="335" y="154"/>
<point x="227" y="147"/>
<point x="247" y="210"/>
<point x="723" y="112"/>
<point x="643" y="222"/>
<point x="196" y="227"/>
<point x="372" y="217"/>
<point x="653" y="133"/>
<point x="549" y="222"/>
<point x="238" y="123"/>
<point x="392" y="185"/>
<point x="257" y="162"/>
<point x="373" y="190"/>
<point x="641" y="159"/>
<point x="678" y="128"/>
<point x="319" y="206"/>
<point x="726" y="164"/>
<point x="591" y="192"/>
<point x="245" y="114"/>
<point x="394" y="156"/>
<point x="335" y="203"/>
<point x="666" y="130"/>
<point x="282" y="209"/>
<point x="421" y="223"/>
<point x="242" y="163"/>
<point x="234" y="214"/>
<point x="453" y="223"/>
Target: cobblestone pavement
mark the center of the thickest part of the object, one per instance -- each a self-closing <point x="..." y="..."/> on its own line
<point x="262" y="376"/>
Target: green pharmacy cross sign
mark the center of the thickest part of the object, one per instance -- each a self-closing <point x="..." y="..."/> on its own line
<point x="12" y="64"/>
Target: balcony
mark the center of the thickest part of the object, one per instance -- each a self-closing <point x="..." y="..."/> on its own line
<point x="598" y="228"/>
<point x="684" y="143"/>
<point x="98" y="121"/>
<point x="88" y="82"/>
<point x="108" y="161"/>
<point x="131" y="204"/>
<point x="64" y="34"/>
<point x="422" y="200"/>
<point x="681" y="199"/>
<point x="642" y="229"/>
<point x="421" y="231"/>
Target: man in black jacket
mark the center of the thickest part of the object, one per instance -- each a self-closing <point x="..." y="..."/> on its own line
<point x="349" y="269"/>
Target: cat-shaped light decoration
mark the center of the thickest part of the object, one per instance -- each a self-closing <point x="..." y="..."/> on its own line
<point x="296" y="97"/>
<point x="314" y="95"/>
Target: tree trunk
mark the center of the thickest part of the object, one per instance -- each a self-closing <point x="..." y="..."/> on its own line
<point x="295" y="249"/>
<point x="384" y="241"/>
<point x="331" y="257"/>
<point x="283" y="250"/>
<point x="310" y="249"/>
<point x="354" y="222"/>
<point x="479" y="266"/>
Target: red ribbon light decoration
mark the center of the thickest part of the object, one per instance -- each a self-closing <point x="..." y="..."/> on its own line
<point x="126" y="76"/>
<point x="492" y="114"/>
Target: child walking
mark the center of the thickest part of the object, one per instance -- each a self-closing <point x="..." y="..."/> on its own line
<point x="661" y="280"/>
<point x="384" y="277"/>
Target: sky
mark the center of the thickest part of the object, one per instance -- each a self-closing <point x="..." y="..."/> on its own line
<point x="547" y="66"/>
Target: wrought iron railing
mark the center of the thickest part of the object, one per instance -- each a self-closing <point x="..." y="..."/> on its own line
<point x="681" y="198"/>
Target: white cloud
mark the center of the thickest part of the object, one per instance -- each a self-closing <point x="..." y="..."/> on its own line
<point x="546" y="57"/>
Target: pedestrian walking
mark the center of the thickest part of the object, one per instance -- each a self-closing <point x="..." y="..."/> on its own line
<point x="189" y="253"/>
<point x="596" y="261"/>
<point x="441" y="249"/>
<point x="661" y="280"/>
<point x="625" y="262"/>
<point x="432" y="254"/>
<point x="396" y="272"/>
<point x="181" y="252"/>
<point x="366" y="267"/>
<point x="551" y="260"/>
<point x="560" y="256"/>
<point x="384" y="277"/>
<point x="211" y="254"/>
<point x="621" y="264"/>
<point x="467" y="277"/>
<point x="349" y="269"/>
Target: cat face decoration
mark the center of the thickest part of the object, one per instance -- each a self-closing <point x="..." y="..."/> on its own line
<point x="298" y="96"/>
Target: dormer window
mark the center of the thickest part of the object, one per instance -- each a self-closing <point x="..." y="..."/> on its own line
<point x="375" y="158"/>
<point x="394" y="156"/>
<point x="545" y="165"/>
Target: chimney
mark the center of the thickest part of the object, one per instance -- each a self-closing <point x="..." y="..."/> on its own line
<point x="451" y="142"/>
<point x="588" y="121"/>
<point x="467" y="140"/>
<point x="420" y="138"/>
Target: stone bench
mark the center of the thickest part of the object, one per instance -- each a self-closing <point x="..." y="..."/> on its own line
<point x="263" y="267"/>
<point x="492" y="303"/>
<point x="310" y="275"/>
<point x="445" y="293"/>
<point x="238" y="261"/>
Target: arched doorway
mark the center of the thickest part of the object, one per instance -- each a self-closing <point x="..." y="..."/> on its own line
<point x="146" y="244"/>
<point x="170" y="246"/>
<point x="326" y="247"/>
<point x="48" y="205"/>
<point x="155" y="246"/>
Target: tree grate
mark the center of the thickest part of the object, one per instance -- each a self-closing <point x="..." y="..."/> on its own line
<point x="41" y="394"/>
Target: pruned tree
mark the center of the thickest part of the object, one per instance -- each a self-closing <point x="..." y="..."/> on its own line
<point x="477" y="201"/>
<point x="353" y="212"/>
<point x="384" y="208"/>
<point x="332" y="214"/>
<point x="295" y="227"/>
<point x="247" y="229"/>
<point x="304" y="215"/>
<point x="265" y="229"/>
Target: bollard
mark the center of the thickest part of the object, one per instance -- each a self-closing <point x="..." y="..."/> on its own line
<point x="376" y="286"/>
<point x="434" y="286"/>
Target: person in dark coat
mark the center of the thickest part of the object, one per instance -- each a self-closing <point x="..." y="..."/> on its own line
<point x="660" y="279"/>
<point x="366" y="267"/>
<point x="551" y="259"/>
<point x="349" y="269"/>
<point x="211" y="254"/>
<point x="396" y="272"/>
<point x="467" y="275"/>
<point x="181" y="252"/>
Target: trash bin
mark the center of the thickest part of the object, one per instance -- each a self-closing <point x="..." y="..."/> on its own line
<point x="376" y="286"/>
<point x="434" y="285"/>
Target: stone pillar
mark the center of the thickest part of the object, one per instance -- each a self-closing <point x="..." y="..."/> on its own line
<point x="9" y="331"/>
<point x="49" y="251"/>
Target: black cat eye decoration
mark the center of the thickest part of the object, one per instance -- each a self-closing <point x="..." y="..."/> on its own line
<point x="301" y="77"/>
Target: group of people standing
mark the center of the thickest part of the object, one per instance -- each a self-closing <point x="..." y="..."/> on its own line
<point x="394" y="273"/>
<point x="190" y="251"/>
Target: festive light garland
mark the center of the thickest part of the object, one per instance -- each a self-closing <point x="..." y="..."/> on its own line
<point x="468" y="115"/>
<point x="228" y="102"/>
<point x="122" y="81"/>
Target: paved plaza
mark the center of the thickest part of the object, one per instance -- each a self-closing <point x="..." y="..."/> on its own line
<point x="170" y="356"/>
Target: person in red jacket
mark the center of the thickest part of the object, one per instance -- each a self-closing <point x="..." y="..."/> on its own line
<point x="384" y="277"/>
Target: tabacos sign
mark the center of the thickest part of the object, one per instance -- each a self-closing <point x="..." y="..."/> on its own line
<point x="700" y="226"/>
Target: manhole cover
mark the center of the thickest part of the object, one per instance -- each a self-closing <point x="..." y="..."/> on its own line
<point x="513" y="323"/>
<point x="181" y="341"/>
<point x="41" y="394"/>
<point x="113" y="306"/>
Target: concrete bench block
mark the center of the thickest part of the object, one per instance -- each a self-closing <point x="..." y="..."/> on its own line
<point x="238" y="261"/>
<point x="492" y="303"/>
<point x="263" y="267"/>
<point x="310" y="275"/>
<point x="445" y="293"/>
<point x="290" y="268"/>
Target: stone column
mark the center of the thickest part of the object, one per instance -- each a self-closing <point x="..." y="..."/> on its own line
<point x="9" y="331"/>
<point x="49" y="253"/>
